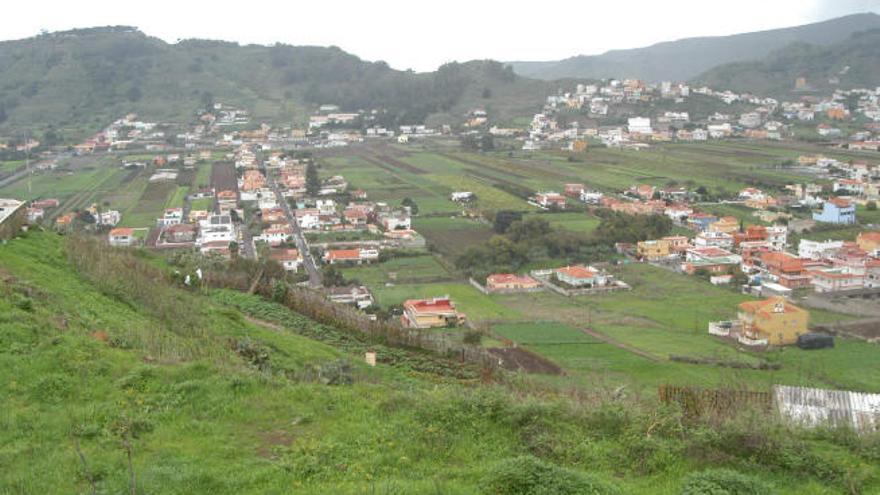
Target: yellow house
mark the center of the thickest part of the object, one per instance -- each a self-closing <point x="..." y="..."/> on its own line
<point x="579" y="145"/>
<point x="728" y="225"/>
<point x="653" y="250"/>
<point x="774" y="319"/>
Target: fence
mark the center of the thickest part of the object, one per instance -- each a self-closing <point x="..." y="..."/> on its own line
<point x="698" y="401"/>
<point x="392" y="334"/>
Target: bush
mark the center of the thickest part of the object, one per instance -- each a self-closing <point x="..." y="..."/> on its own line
<point x="528" y="475"/>
<point x="724" y="482"/>
<point x="472" y="337"/>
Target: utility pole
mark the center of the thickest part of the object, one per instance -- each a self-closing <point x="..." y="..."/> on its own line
<point x="27" y="161"/>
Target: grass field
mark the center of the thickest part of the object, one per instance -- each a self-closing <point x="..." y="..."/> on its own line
<point x="667" y="314"/>
<point x="452" y="235"/>
<point x="543" y="333"/>
<point x="203" y="175"/>
<point x="583" y="223"/>
<point x="10" y="165"/>
<point x="58" y="184"/>
<point x="740" y="212"/>
<point x="150" y="206"/>
<point x="178" y="198"/>
<point x="865" y="216"/>
<point x="404" y="270"/>
<point x="202" y="204"/>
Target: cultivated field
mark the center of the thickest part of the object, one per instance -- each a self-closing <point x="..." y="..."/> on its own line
<point x="634" y="333"/>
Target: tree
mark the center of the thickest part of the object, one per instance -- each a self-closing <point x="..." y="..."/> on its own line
<point x="413" y="207"/>
<point x="487" y="142"/>
<point x="503" y="220"/>
<point x="313" y="183"/>
<point x="51" y="137"/>
<point x="208" y="101"/>
<point x="528" y="229"/>
<point x="332" y="277"/>
<point x="233" y="248"/>
<point x="85" y="217"/>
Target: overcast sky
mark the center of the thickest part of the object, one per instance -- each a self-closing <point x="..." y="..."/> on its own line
<point x="423" y="35"/>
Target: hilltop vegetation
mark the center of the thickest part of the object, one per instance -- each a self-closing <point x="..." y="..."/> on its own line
<point x="80" y="80"/>
<point x="855" y="62"/>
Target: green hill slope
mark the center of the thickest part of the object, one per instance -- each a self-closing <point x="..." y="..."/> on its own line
<point x="112" y="378"/>
<point x="85" y="78"/>
<point x="686" y="58"/>
<point x="854" y="62"/>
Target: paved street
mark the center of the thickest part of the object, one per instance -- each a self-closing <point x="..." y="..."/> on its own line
<point x="299" y="238"/>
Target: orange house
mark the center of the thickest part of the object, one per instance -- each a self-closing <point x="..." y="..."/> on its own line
<point x="787" y="269"/>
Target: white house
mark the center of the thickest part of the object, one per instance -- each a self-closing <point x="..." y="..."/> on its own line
<point x="308" y="218"/>
<point x="276" y="234"/>
<point x="639" y="125"/>
<point x="591" y="197"/>
<point x="461" y="196"/>
<point x="777" y="237"/>
<point x="326" y="206"/>
<point x="397" y="222"/>
<point x="109" y="217"/>
<point x="816" y="250"/>
<point x="217" y="228"/>
<point x="172" y="216"/>
<point x="121" y="237"/>
<point x="714" y="239"/>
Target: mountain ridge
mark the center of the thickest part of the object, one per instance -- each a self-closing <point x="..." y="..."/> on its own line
<point x="686" y="58"/>
<point x="851" y="63"/>
<point x="85" y="78"/>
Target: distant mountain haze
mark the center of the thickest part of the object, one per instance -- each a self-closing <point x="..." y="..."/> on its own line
<point x="851" y="63"/>
<point x="684" y="59"/>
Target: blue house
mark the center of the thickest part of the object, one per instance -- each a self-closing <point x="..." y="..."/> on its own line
<point x="837" y="210"/>
<point x="701" y="221"/>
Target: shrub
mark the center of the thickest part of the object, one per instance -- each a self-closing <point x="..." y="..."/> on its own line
<point x="472" y="337"/>
<point x="724" y="482"/>
<point x="528" y="475"/>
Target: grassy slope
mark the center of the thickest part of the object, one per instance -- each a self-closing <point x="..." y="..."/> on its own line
<point x="205" y="421"/>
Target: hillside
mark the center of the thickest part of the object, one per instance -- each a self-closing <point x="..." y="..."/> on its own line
<point x="686" y="58"/>
<point x="113" y="378"/>
<point x="854" y="62"/>
<point x="82" y="79"/>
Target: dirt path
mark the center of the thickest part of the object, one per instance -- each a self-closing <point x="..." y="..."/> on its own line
<point x="620" y="345"/>
<point x="517" y="358"/>
<point x="262" y="323"/>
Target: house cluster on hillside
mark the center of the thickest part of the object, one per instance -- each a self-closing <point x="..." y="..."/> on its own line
<point x="127" y="132"/>
<point x="723" y="245"/>
<point x="758" y="117"/>
<point x="760" y="252"/>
